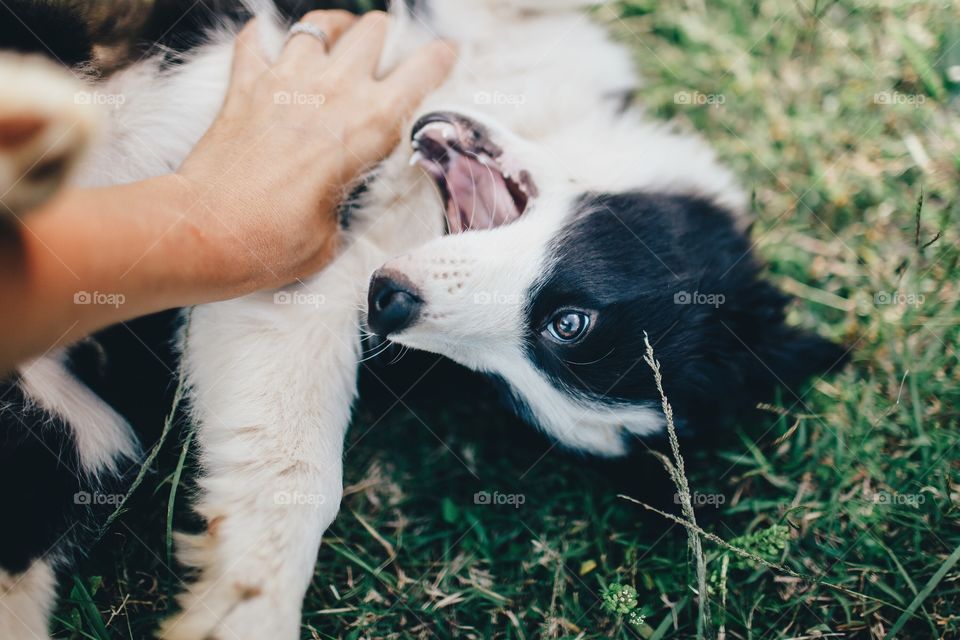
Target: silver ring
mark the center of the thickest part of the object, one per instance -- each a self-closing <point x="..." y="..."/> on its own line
<point x="309" y="29"/>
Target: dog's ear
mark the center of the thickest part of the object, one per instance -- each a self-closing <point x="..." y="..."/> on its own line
<point x="747" y="351"/>
<point x="773" y="354"/>
<point x="789" y="357"/>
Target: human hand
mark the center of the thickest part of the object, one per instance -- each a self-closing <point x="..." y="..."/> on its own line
<point x="269" y="173"/>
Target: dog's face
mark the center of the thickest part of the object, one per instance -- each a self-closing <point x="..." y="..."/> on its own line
<point x="550" y="284"/>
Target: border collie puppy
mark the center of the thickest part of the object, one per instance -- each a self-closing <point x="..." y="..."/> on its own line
<point x="530" y="228"/>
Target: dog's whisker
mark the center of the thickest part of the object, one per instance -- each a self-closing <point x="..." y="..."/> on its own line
<point x="587" y="364"/>
<point x="403" y="352"/>
<point x="377" y="352"/>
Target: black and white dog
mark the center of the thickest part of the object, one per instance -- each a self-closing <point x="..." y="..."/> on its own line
<point x="575" y="227"/>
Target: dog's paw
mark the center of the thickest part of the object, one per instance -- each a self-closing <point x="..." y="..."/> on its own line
<point x="249" y="617"/>
<point x="47" y="120"/>
<point x="254" y="618"/>
<point x="226" y="603"/>
<point x="227" y="609"/>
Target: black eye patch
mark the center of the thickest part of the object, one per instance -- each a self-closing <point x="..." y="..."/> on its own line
<point x="622" y="256"/>
<point x="676" y="267"/>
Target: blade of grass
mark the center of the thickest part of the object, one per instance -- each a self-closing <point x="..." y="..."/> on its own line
<point x="90" y="612"/>
<point x="906" y="578"/>
<point x="174" y="484"/>
<point x="69" y="625"/>
<point x="155" y="451"/>
<point x="667" y="622"/>
<point x="678" y="473"/>
<point x="926" y="591"/>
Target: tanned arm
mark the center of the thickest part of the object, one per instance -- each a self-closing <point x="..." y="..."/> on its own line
<point x="245" y="211"/>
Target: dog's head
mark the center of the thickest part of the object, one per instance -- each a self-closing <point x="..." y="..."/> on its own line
<point x="558" y="264"/>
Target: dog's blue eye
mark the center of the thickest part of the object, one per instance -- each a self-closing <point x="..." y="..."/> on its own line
<point x="568" y="326"/>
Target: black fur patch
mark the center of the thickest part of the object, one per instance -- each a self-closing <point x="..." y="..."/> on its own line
<point x="132" y="367"/>
<point x="181" y="25"/>
<point x="68" y="30"/>
<point x="46" y="27"/>
<point x="676" y="267"/>
<point x="49" y="505"/>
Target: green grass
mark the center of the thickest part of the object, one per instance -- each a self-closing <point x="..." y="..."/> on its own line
<point x="839" y="117"/>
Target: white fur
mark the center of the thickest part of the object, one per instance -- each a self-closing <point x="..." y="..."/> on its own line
<point x="272" y="385"/>
<point x="26" y="602"/>
<point x="272" y="379"/>
<point x="102" y="436"/>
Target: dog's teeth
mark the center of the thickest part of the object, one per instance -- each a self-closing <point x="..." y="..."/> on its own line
<point x="446" y="130"/>
<point x="416" y="142"/>
<point x="416" y="157"/>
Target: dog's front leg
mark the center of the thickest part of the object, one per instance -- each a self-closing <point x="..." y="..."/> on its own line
<point x="273" y="378"/>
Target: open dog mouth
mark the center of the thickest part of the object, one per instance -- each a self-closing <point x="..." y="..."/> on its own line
<point x="481" y="186"/>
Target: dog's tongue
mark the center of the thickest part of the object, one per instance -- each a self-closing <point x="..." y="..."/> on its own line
<point x="478" y="195"/>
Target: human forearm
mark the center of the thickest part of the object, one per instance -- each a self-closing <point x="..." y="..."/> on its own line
<point x="88" y="260"/>
<point x="253" y="206"/>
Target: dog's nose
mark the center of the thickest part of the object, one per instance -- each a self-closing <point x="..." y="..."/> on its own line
<point x="393" y="304"/>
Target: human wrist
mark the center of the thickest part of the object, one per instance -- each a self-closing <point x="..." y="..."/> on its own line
<point x="191" y="263"/>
